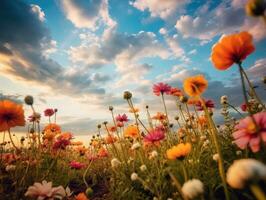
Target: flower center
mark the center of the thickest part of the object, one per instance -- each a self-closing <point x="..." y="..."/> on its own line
<point x="251" y="128"/>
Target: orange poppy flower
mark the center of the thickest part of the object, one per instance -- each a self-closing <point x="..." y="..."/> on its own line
<point x="53" y="128"/>
<point x="110" y="139"/>
<point x="195" y="85"/>
<point x="231" y="49"/>
<point x="11" y="115"/>
<point x="81" y="196"/>
<point x="179" y="151"/>
<point x="159" y="116"/>
<point x="132" y="131"/>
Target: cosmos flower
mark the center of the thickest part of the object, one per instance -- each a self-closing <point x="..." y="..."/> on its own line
<point x="133" y="110"/>
<point x="195" y="85"/>
<point x="208" y="103"/>
<point x="35" y="117"/>
<point x="76" y="165"/>
<point x="61" y="144"/>
<point x="176" y="92"/>
<point x="102" y="152"/>
<point x="159" y="116"/>
<point x="11" y="115"/>
<point x="154" y="136"/>
<point x="231" y="49"/>
<point x="179" y="151"/>
<point x="131" y="131"/>
<point x="161" y="88"/>
<point x="65" y="136"/>
<point x="45" y="190"/>
<point x="243" y="171"/>
<point x="112" y="129"/>
<point x="109" y="139"/>
<point x="53" y="128"/>
<point x="246" y="133"/>
<point x="193" y="188"/>
<point x="49" y="112"/>
<point x="121" y="118"/>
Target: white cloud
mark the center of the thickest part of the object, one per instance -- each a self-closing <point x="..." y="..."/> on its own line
<point x="162" y="31"/>
<point x="159" y="8"/>
<point x="38" y="11"/>
<point x="219" y="21"/>
<point x="88" y="14"/>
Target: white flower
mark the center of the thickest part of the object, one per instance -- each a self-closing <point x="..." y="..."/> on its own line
<point x="45" y="190"/>
<point x="224" y="99"/>
<point x="115" y="162"/>
<point x="134" y="176"/>
<point x="244" y="170"/>
<point x="193" y="188"/>
<point x="10" y="168"/>
<point x="135" y="146"/>
<point x="215" y="157"/>
<point x="153" y="154"/>
<point x="143" y="168"/>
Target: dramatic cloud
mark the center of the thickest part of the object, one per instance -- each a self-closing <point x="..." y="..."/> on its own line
<point x="88" y="14"/>
<point x="38" y="11"/>
<point x="159" y="8"/>
<point x="216" y="21"/>
<point x="24" y="46"/>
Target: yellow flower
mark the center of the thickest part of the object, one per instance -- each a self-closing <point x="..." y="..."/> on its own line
<point x="195" y="85"/>
<point x="132" y="131"/>
<point x="179" y="151"/>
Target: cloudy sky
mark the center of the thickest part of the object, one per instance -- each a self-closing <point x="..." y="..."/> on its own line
<point x="80" y="55"/>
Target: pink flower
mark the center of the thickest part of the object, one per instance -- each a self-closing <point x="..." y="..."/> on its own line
<point x="61" y="144"/>
<point x="209" y="104"/>
<point x="48" y="112"/>
<point x="161" y="88"/>
<point x="121" y="118"/>
<point x="34" y="117"/>
<point x="45" y="190"/>
<point x="119" y="124"/>
<point x="247" y="134"/>
<point x="76" y="165"/>
<point x="243" y="107"/>
<point x="154" y="136"/>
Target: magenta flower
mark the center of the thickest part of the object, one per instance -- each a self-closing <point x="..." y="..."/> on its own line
<point x="48" y="112"/>
<point x="61" y="144"/>
<point x="248" y="134"/>
<point x="243" y="107"/>
<point x="121" y="118"/>
<point x="154" y="136"/>
<point x="209" y="104"/>
<point x="76" y="165"/>
<point x="161" y="88"/>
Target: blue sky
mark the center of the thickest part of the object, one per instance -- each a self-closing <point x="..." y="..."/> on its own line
<point x="79" y="56"/>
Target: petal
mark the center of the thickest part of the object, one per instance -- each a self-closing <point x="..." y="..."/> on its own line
<point x="242" y="142"/>
<point x="254" y="144"/>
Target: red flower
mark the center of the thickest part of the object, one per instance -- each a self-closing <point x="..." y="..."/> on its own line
<point x="209" y="104"/>
<point x="244" y="107"/>
<point x="176" y="92"/>
<point x="48" y="112"/>
<point x="121" y="118"/>
<point x="61" y="144"/>
<point x="154" y="136"/>
<point x="161" y="88"/>
<point x="76" y="165"/>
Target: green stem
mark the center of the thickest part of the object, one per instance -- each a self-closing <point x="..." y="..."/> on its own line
<point x="178" y="185"/>
<point x="257" y="191"/>
<point x="84" y="175"/>
<point x="165" y="110"/>
<point x="11" y="140"/>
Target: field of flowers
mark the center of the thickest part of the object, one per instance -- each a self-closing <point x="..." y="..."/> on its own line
<point x="161" y="157"/>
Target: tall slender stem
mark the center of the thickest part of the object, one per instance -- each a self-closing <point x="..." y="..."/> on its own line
<point x="11" y="140"/>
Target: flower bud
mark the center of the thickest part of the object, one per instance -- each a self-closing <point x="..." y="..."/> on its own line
<point x="29" y="100"/>
<point x="183" y="99"/>
<point x="255" y="8"/>
<point x="134" y="176"/>
<point x="127" y="95"/>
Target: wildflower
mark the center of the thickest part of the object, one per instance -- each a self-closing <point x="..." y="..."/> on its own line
<point x="231" y="49"/>
<point x="154" y="136"/>
<point x="81" y="196"/>
<point x="161" y="88"/>
<point x="53" y="128"/>
<point x="49" y="112"/>
<point x="111" y="108"/>
<point x="134" y="176"/>
<point x="215" y="157"/>
<point x="248" y="133"/>
<point x="29" y="100"/>
<point x="143" y="168"/>
<point x="131" y="131"/>
<point x="76" y="143"/>
<point x="35" y="117"/>
<point x="176" y="92"/>
<point x="256" y="8"/>
<point x="112" y="129"/>
<point x="120" y="124"/>
<point x="159" y="116"/>
<point x="179" y="151"/>
<point x="10" y="168"/>
<point x="153" y="154"/>
<point x="135" y="146"/>
<point x="183" y="99"/>
<point x="195" y="85"/>
<point x="243" y="171"/>
<point x="61" y="144"/>
<point x="76" y="165"/>
<point x="193" y="188"/>
<point x="121" y="118"/>
<point x="224" y="99"/>
<point x="11" y="115"/>
<point x="65" y="136"/>
<point x="243" y="107"/>
<point x="208" y="104"/>
<point x="102" y="152"/>
<point x="81" y="150"/>
<point x="45" y="190"/>
<point x="110" y="139"/>
<point x="115" y="162"/>
<point x="134" y="110"/>
<point x="192" y="101"/>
